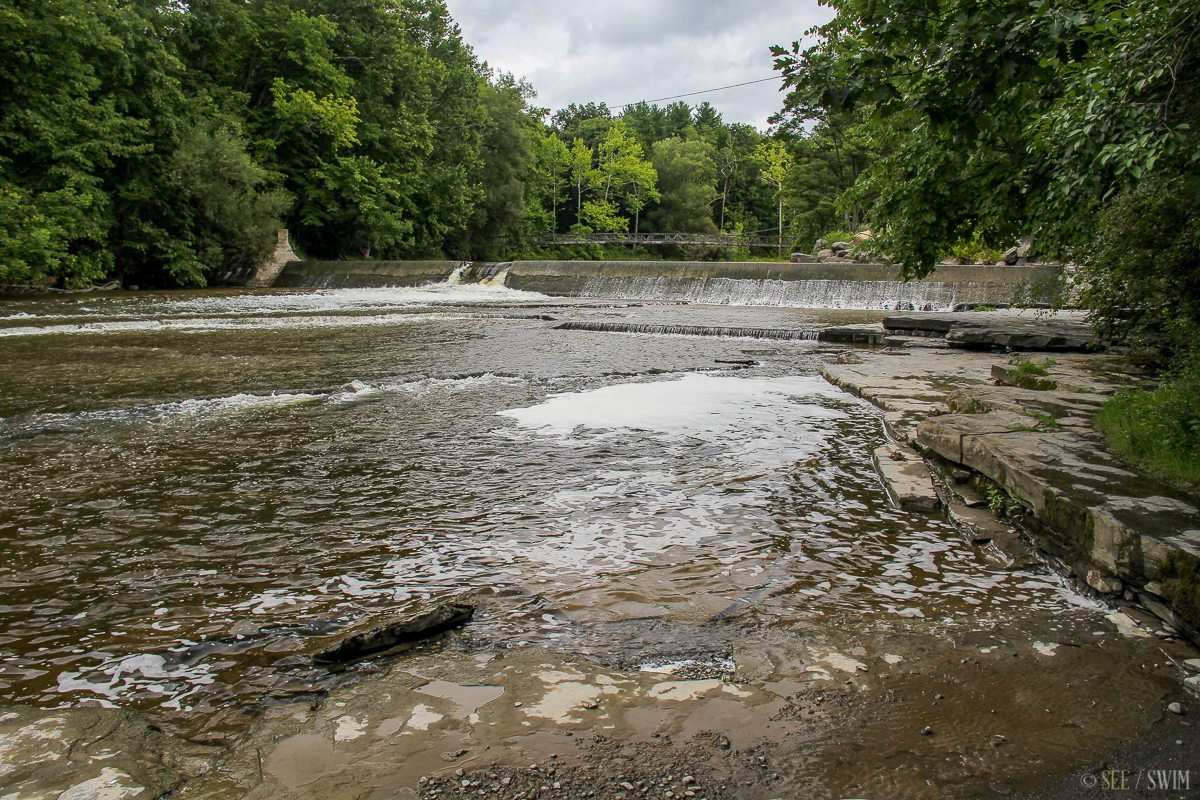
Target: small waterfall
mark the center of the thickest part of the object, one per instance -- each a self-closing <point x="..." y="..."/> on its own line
<point x="498" y="280"/>
<point x="458" y="276"/>
<point x="691" y="330"/>
<point x="848" y="294"/>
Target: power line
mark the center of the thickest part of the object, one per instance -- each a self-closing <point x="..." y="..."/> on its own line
<point x="703" y="91"/>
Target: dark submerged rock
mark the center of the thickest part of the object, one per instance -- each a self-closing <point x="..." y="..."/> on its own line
<point x="374" y="636"/>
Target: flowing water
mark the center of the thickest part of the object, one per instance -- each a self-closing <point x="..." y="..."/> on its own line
<point x="193" y="496"/>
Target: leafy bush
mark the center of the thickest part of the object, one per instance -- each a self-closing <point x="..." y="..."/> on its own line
<point x="1159" y="429"/>
<point x="840" y="235"/>
<point x="974" y="251"/>
<point x="1142" y="276"/>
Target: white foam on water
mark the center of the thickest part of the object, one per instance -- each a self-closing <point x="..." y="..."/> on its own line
<point x="464" y="384"/>
<point x="734" y="425"/>
<point x="764" y="422"/>
<point x="324" y="308"/>
<point x="167" y="411"/>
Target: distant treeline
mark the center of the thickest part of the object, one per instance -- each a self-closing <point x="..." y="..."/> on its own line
<point x="160" y="142"/>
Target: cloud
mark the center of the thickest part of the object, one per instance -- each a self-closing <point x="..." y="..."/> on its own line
<point x="622" y="51"/>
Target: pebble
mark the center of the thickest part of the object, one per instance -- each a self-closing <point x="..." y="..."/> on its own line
<point x="1175" y="708"/>
<point x="927" y="731"/>
<point x="687" y="780"/>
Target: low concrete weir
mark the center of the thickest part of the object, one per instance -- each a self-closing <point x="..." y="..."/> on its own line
<point x="806" y="285"/>
<point x="356" y="274"/>
<point x="691" y="330"/>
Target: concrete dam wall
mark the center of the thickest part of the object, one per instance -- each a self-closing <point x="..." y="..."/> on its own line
<point x="361" y="274"/>
<point x="807" y="285"/>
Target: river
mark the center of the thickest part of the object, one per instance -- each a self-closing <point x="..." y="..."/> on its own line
<point x="200" y="487"/>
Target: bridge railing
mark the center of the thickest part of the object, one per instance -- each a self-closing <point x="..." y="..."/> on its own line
<point x="701" y="239"/>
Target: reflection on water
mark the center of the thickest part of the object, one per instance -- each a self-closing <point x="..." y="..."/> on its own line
<point x="186" y="505"/>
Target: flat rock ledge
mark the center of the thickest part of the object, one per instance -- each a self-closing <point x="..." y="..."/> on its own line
<point x="1124" y="535"/>
<point x="1009" y="329"/>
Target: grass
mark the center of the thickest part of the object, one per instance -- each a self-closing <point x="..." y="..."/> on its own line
<point x="1028" y="374"/>
<point x="1158" y="430"/>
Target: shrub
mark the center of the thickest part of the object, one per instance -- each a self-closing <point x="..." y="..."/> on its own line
<point x="1158" y="429"/>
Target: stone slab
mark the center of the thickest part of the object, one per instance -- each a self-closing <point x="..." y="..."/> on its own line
<point x="906" y="478"/>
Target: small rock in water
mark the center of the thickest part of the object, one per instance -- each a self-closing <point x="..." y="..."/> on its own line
<point x="371" y="638"/>
<point x="927" y="731"/>
<point x="1175" y="708"/>
<point x="354" y="387"/>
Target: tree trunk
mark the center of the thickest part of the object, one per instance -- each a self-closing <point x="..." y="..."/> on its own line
<point x="781" y="222"/>
<point x="724" y="200"/>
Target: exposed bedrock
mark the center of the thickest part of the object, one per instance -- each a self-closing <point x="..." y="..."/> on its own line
<point x="1121" y="533"/>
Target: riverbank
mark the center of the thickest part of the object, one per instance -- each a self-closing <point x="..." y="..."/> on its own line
<point x="1023" y="424"/>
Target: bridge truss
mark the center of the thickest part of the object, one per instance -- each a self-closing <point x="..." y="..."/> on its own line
<point x="700" y="239"/>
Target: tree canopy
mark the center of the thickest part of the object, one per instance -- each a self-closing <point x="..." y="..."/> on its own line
<point x="1073" y="121"/>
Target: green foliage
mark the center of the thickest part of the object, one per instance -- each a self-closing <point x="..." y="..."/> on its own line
<point x="975" y="251"/>
<point x="992" y="120"/>
<point x="227" y="215"/>
<point x="997" y="500"/>
<point x="603" y="216"/>
<point x="688" y="176"/>
<point x="1159" y="429"/>
<point x="837" y="235"/>
<point x="1029" y="374"/>
<point x="1142" y="274"/>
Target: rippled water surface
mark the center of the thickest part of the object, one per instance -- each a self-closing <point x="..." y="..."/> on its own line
<point x="191" y="496"/>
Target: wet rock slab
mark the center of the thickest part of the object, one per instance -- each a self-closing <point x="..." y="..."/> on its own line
<point x="1118" y="531"/>
<point x="1002" y="330"/>
<point x="906" y="478"/>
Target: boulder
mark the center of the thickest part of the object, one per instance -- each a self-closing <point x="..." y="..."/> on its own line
<point x="840" y="247"/>
<point x="825" y="254"/>
<point x="802" y="258"/>
<point x="1011" y="256"/>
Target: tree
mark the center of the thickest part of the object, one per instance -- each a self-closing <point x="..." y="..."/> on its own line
<point x="687" y="181"/>
<point x="1003" y="118"/>
<point x="776" y="164"/>
<point x="506" y="159"/>
<point x="581" y="157"/>
<point x="622" y="173"/>
<point x="548" y="173"/>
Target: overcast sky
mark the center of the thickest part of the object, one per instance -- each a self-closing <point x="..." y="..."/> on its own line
<point x="622" y="51"/>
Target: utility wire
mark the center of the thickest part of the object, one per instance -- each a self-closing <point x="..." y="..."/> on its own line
<point x="703" y="91"/>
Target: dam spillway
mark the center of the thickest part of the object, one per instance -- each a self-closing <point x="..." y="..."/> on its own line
<point x="805" y="285"/>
